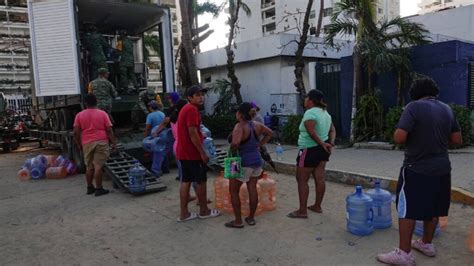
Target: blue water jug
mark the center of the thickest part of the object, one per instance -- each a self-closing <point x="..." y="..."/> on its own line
<point x="136" y="178"/>
<point x="210" y="150"/>
<point x="267" y="120"/>
<point x="382" y="206"/>
<point x="360" y="214"/>
<point x="37" y="172"/>
<point x="164" y="141"/>
<point x="148" y="144"/>
<point x="40" y="162"/>
<point x="419" y="229"/>
<point x="205" y="131"/>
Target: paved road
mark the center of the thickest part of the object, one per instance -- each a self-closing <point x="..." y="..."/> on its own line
<point x="53" y="222"/>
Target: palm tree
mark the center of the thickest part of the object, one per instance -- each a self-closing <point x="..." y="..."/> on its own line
<point x="234" y="9"/>
<point x="375" y="45"/>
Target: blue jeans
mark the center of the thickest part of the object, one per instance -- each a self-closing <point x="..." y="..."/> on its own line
<point x="158" y="158"/>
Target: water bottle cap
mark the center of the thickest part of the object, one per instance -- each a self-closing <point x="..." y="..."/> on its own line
<point x="377" y="183"/>
<point x="358" y="189"/>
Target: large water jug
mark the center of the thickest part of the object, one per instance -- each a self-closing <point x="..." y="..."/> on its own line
<point x="56" y="172"/>
<point x="148" y="144"/>
<point x="245" y="201"/>
<point x="267" y="120"/>
<point x="51" y="160"/>
<point x="39" y="161"/>
<point x="136" y="178"/>
<point x="206" y="133"/>
<point x="382" y="206"/>
<point x="28" y="161"/>
<point x="360" y="214"/>
<point x="267" y="195"/>
<point x="470" y="238"/>
<point x="210" y="150"/>
<point x="419" y="229"/>
<point x="24" y="174"/>
<point x="37" y="172"/>
<point x="60" y="161"/>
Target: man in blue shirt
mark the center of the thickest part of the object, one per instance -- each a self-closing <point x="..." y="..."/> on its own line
<point x="153" y="119"/>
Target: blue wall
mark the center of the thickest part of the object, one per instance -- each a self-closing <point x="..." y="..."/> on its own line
<point x="446" y="62"/>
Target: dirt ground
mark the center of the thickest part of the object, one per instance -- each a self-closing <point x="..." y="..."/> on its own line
<point x="54" y="222"/>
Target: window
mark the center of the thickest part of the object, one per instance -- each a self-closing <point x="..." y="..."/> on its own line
<point x="207" y="79"/>
<point x="448" y="1"/>
<point x="380" y="10"/>
<point x="270" y="27"/>
<point x="312" y="14"/>
<point x="327" y="12"/>
<point x="176" y="40"/>
<point x="268" y="14"/>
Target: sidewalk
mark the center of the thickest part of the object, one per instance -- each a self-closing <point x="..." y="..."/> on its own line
<point x="383" y="163"/>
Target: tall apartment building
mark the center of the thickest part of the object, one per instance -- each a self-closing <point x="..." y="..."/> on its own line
<point x="428" y="6"/>
<point x="271" y="16"/>
<point x="155" y="76"/>
<point x="15" y="80"/>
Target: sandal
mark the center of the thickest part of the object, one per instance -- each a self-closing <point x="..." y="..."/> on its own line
<point x="296" y="215"/>
<point x="250" y="221"/>
<point x="192" y="216"/>
<point x="231" y="224"/>
<point x="214" y="213"/>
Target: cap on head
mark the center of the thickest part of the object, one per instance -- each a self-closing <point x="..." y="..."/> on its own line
<point x="150" y="92"/>
<point x="174" y="96"/>
<point x="153" y="105"/>
<point x="195" y="89"/>
<point x="315" y="95"/>
<point x="103" y="71"/>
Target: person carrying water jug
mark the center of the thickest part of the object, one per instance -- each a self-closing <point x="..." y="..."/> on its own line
<point x="426" y="127"/>
<point x="316" y="140"/>
<point x="153" y="119"/>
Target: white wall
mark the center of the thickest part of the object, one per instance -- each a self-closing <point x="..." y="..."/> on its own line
<point x="428" y="6"/>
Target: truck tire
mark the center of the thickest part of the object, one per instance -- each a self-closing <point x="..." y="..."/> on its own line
<point x="66" y="146"/>
<point x="78" y="158"/>
<point x="65" y="119"/>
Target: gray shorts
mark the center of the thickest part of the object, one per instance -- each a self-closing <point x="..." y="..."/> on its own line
<point x="250" y="172"/>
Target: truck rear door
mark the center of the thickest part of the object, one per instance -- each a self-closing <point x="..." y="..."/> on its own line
<point x="54" y="47"/>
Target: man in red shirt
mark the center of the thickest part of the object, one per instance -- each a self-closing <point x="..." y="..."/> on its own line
<point x="92" y="132"/>
<point x="193" y="159"/>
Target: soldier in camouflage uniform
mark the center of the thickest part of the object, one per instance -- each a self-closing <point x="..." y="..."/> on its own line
<point x="104" y="91"/>
<point x="96" y="45"/>
<point x="140" y="110"/>
<point x="127" y="62"/>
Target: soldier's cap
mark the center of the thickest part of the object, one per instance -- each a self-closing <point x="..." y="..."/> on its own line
<point x="150" y="92"/>
<point x="103" y="70"/>
<point x="195" y="89"/>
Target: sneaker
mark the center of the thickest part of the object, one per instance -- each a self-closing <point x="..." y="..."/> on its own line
<point x="100" y="192"/>
<point x="397" y="257"/>
<point x="90" y="190"/>
<point x="426" y="249"/>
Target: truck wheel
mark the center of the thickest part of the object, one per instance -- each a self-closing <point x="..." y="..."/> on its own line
<point x="65" y="119"/>
<point x="66" y="146"/>
<point x="54" y="120"/>
<point x="78" y="158"/>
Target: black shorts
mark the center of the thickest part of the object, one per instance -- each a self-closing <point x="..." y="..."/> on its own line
<point x="311" y="157"/>
<point x="193" y="171"/>
<point x="421" y="197"/>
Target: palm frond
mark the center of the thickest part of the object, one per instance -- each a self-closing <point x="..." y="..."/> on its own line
<point x="246" y="9"/>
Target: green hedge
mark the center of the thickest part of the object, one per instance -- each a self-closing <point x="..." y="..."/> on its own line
<point x="220" y="126"/>
<point x="463" y="115"/>
<point x="290" y="131"/>
<point x="391" y="120"/>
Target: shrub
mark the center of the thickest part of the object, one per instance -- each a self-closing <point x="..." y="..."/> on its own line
<point x="291" y="130"/>
<point x="463" y="115"/>
<point x="220" y="126"/>
<point x="369" y="121"/>
<point x="391" y="120"/>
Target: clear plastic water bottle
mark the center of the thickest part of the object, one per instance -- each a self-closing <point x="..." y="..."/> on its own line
<point x="205" y="131"/>
<point x="360" y="214"/>
<point x="382" y="206"/>
<point x="210" y="150"/>
<point x="279" y="152"/>
<point x="136" y="178"/>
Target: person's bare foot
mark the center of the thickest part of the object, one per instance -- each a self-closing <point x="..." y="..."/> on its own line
<point x="297" y="214"/>
<point x="316" y="209"/>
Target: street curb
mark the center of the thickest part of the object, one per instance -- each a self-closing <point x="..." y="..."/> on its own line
<point x="457" y="194"/>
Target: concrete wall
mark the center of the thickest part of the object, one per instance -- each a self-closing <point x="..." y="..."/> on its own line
<point x="446" y="62"/>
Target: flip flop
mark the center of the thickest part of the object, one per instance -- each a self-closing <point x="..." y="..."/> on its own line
<point x="249" y="221"/>
<point x="297" y="216"/>
<point x="232" y="225"/>
<point x="192" y="216"/>
<point x="214" y="213"/>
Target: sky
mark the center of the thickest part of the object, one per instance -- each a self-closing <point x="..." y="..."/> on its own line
<point x="218" y="39"/>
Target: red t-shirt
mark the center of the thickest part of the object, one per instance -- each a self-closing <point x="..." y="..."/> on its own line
<point x="188" y="117"/>
<point x="93" y="124"/>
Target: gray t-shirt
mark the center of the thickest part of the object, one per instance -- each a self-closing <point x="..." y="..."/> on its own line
<point x="429" y="124"/>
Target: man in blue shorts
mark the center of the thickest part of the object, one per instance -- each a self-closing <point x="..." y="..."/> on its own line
<point x="427" y="126"/>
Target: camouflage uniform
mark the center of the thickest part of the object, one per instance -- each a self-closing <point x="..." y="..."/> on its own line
<point x="96" y="44"/>
<point x="105" y="92"/>
<point x="140" y="110"/>
<point x="127" y="64"/>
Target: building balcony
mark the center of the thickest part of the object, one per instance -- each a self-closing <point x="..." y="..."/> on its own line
<point x="268" y="4"/>
<point x="15" y="25"/>
<point x="14" y="9"/>
<point x="268" y="20"/>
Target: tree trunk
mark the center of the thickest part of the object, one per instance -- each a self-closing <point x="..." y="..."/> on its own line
<point x="358" y="77"/>
<point x="399" y="88"/>
<point x="320" y="19"/>
<point x="188" y="69"/>
<point x="234" y="16"/>
<point x="299" y="61"/>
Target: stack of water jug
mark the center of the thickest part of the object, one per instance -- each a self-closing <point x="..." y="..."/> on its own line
<point x="46" y="166"/>
<point x="136" y="178"/>
<point x="372" y="210"/>
<point x="266" y="189"/>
